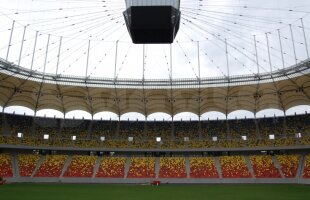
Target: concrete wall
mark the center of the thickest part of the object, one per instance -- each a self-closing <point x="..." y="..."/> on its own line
<point x="164" y="181"/>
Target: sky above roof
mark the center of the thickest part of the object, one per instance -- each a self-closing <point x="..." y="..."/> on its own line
<point x="216" y="38"/>
<point x="207" y="29"/>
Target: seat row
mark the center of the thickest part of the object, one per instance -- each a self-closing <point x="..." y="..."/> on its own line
<point x="262" y="166"/>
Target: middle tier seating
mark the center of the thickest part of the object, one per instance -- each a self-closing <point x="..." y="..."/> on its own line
<point x="142" y="168"/>
<point x="52" y="166"/>
<point x="27" y="164"/>
<point x="111" y="167"/>
<point x="81" y="166"/>
<point x="289" y="165"/>
<point x="172" y="168"/>
<point x="203" y="168"/>
<point x="264" y="167"/>
<point x="234" y="167"/>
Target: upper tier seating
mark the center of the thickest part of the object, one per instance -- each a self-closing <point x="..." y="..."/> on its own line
<point x="116" y="133"/>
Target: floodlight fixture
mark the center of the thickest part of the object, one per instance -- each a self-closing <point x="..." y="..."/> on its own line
<point x="46" y="136"/>
<point x="20" y="135"/>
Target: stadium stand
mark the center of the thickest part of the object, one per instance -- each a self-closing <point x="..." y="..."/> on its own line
<point x="142" y="168"/>
<point x="289" y="165"/>
<point x="27" y="164"/>
<point x="201" y="167"/>
<point x="24" y="124"/>
<point x="234" y="167"/>
<point x="306" y="173"/>
<point x="6" y="168"/>
<point x="111" y="167"/>
<point x="51" y="166"/>
<point x="81" y="166"/>
<point x="107" y="129"/>
<point x="228" y="133"/>
<point x="264" y="167"/>
<point x="172" y="168"/>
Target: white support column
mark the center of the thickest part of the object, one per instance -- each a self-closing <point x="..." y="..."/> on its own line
<point x="10" y="41"/>
<point x="115" y="63"/>
<point x="269" y="56"/>
<point x="281" y="49"/>
<point x="34" y="50"/>
<point x="87" y="59"/>
<point x="305" y="38"/>
<point x="256" y="55"/>
<point x="58" y="55"/>
<point x="293" y="42"/>
<point x="21" y="47"/>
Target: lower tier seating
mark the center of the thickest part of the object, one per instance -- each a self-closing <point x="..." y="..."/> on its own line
<point x="81" y="166"/>
<point x="203" y="168"/>
<point x="289" y="165"/>
<point x="111" y="167"/>
<point x="6" y="169"/>
<point x="52" y="166"/>
<point x="172" y="168"/>
<point x="306" y="173"/>
<point x="27" y="164"/>
<point x="264" y="167"/>
<point x="234" y="167"/>
<point x="142" y="168"/>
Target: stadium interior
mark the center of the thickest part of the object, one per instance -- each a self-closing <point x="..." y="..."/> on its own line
<point x="77" y="56"/>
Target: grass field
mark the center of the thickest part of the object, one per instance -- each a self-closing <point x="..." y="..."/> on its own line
<point x="164" y="192"/>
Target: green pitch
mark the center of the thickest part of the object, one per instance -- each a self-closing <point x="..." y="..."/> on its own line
<point x="164" y="192"/>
